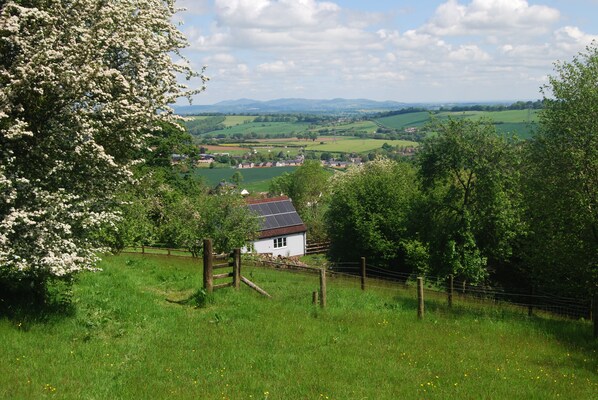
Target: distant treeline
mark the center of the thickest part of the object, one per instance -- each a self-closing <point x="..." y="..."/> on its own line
<point x="519" y="105"/>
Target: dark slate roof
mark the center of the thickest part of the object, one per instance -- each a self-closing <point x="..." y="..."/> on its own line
<point x="279" y="216"/>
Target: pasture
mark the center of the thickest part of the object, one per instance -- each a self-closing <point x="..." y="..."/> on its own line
<point x="347" y="144"/>
<point x="265" y="128"/>
<point x="519" y="122"/>
<point x="254" y="179"/>
<point x="134" y="332"/>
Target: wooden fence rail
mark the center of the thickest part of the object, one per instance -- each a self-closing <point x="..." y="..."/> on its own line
<point x="317" y="247"/>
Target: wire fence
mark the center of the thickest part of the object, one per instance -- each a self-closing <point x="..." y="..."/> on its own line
<point x="381" y="278"/>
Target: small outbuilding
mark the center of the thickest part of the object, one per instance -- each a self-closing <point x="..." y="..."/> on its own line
<point x="282" y="232"/>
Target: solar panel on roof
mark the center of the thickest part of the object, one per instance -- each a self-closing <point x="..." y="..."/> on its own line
<point x="276" y="214"/>
<point x="279" y="206"/>
<point x="294" y="219"/>
<point x="271" y="223"/>
<point x="285" y="206"/>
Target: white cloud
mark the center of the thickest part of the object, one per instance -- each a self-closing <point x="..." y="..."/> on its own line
<point x="280" y="14"/>
<point x="220" y="58"/>
<point x="276" y="67"/>
<point x="489" y="17"/>
<point x="469" y="53"/>
<point x="485" y="48"/>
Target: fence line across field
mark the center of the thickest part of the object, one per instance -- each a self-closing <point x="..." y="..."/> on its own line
<point x="366" y="276"/>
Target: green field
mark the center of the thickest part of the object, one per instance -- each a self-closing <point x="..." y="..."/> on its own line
<point x="241" y="124"/>
<point x="134" y="333"/>
<point x="353" y="128"/>
<point x="520" y="122"/>
<point x="271" y="128"/>
<point x="254" y="179"/>
<point x="354" y="145"/>
<point x="233" y="120"/>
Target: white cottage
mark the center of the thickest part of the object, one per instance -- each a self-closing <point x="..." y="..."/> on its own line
<point x="282" y="231"/>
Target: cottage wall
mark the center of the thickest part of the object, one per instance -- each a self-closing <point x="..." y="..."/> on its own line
<point x="295" y="245"/>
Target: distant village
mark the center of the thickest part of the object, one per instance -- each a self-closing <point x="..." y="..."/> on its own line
<point x="243" y="163"/>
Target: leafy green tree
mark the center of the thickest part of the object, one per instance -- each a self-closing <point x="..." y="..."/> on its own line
<point x="563" y="180"/>
<point x="237" y="178"/>
<point x="308" y="188"/>
<point x="81" y="85"/>
<point x="369" y="212"/>
<point x="471" y="213"/>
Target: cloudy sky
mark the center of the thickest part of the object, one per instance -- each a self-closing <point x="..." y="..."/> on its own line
<point x="402" y="50"/>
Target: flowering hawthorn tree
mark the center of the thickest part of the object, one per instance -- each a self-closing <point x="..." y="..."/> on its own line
<point x="82" y="84"/>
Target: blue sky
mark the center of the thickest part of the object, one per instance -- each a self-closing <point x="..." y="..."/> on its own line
<point x="409" y="51"/>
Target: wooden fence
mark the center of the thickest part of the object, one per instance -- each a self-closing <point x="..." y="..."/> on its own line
<point x="213" y="261"/>
<point x="317" y="247"/>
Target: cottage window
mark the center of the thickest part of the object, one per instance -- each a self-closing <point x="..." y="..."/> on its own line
<point x="280" y="242"/>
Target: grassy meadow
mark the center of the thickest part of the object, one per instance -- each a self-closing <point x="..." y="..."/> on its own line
<point x="254" y="179"/>
<point x="519" y="122"/>
<point x="350" y="144"/>
<point x="134" y="331"/>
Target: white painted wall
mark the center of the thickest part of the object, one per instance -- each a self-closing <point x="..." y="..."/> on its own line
<point x="295" y="245"/>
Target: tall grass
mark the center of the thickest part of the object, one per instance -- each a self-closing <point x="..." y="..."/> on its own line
<point x="135" y="333"/>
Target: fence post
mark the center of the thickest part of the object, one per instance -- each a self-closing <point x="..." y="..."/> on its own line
<point x="208" y="276"/>
<point x="450" y="290"/>
<point x="420" y="297"/>
<point x="362" y="273"/>
<point x="237" y="268"/>
<point x="595" y="314"/>
<point x="530" y="306"/>
<point x="322" y="288"/>
<point x="314" y="297"/>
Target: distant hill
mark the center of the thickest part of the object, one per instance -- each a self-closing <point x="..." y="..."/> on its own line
<point x="334" y="106"/>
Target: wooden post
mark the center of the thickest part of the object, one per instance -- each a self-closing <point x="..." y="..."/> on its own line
<point x="450" y="290"/>
<point x="142" y="249"/>
<point x="254" y="286"/>
<point x="237" y="268"/>
<point x="420" y="297"/>
<point x="595" y="314"/>
<point x="314" y="297"/>
<point x="362" y="273"/>
<point x="323" y="288"/>
<point x="530" y="304"/>
<point x="208" y="278"/>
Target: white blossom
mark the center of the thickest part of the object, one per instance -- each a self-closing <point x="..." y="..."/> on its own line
<point x="82" y="85"/>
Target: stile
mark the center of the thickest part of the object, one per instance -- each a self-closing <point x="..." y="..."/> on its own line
<point x="221" y="276"/>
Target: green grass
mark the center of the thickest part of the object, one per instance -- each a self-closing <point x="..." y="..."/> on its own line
<point x="128" y="338"/>
<point x="254" y="179"/>
<point x="354" y="145"/>
<point x="519" y="122"/>
<point x="233" y="120"/>
<point x="272" y="128"/>
<point x="354" y="128"/>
